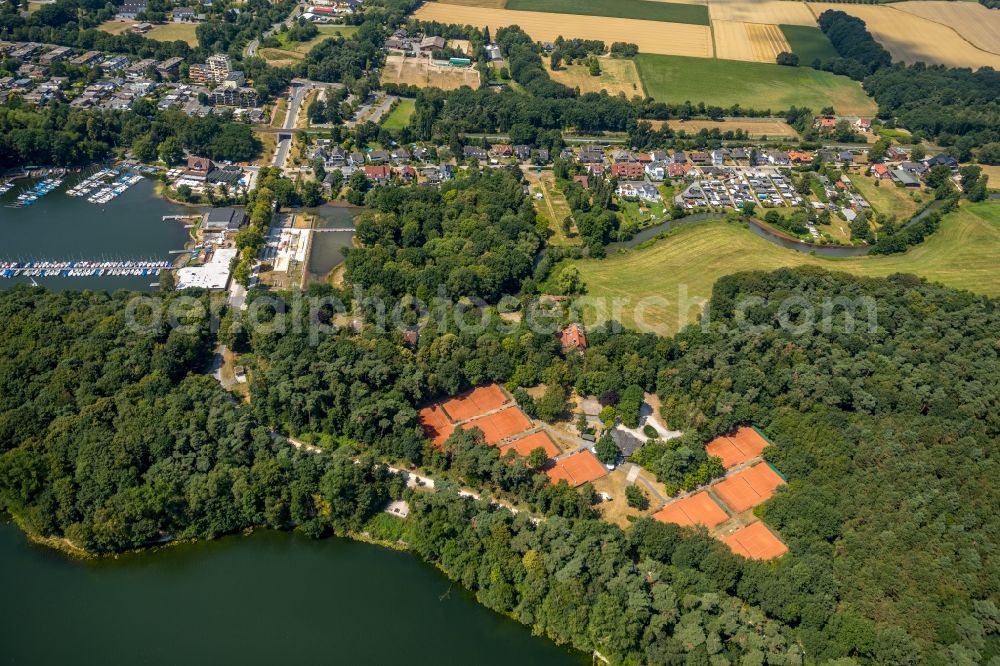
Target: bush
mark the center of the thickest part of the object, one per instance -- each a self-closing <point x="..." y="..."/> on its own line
<point x="649" y="431"/>
<point x="636" y="497"/>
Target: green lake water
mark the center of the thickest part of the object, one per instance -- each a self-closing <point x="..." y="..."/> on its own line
<point x="271" y="598"/>
<point x="64" y="228"/>
<point x="327" y="250"/>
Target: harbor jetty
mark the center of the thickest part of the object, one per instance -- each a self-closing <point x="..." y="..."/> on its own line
<point x="74" y="269"/>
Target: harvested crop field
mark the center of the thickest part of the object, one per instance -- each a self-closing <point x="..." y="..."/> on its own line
<point x="971" y="20"/>
<point x="753" y="42"/>
<point x="421" y="72"/>
<point x="643" y="10"/>
<point x="696" y="509"/>
<point x="650" y="36"/>
<point x="762" y="11"/>
<point x="911" y="38"/>
<point x="756" y="542"/>
<point x="755" y="127"/>
<point x="495" y="4"/>
<point x="752" y="85"/>
<point x="618" y="75"/>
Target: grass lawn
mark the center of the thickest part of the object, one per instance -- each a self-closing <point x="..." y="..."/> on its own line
<point x="887" y="198"/>
<point x="552" y="207"/>
<point x="171" y="32"/>
<point x="750" y="84"/>
<point x="291" y="52"/>
<point x="648" y="10"/>
<point x="808" y="43"/>
<point x="115" y="27"/>
<point x="961" y="254"/>
<point x="399" y="117"/>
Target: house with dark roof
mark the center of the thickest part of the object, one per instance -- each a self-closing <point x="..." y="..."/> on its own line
<point x="223" y="220"/>
<point x="626" y="442"/>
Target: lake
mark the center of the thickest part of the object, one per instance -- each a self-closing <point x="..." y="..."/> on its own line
<point x="269" y="598"/>
<point x="61" y="227"/>
<point x="327" y="248"/>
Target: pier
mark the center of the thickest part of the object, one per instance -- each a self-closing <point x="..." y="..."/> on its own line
<point x="351" y="229"/>
<point x="125" y="267"/>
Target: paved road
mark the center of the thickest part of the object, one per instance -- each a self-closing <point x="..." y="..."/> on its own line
<point x="284" y="145"/>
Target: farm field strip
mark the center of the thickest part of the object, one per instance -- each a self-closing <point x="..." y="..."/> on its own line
<point x="971" y="20"/>
<point x="767" y="41"/>
<point x="650" y="36"/>
<point x="642" y="10"/>
<point x="911" y="38"/>
<point x="752" y="42"/>
<point x="762" y="11"/>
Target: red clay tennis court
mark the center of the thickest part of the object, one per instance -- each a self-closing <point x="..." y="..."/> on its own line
<point x="743" y="445"/>
<point x="436" y="425"/>
<point x="697" y="509"/>
<point x="748" y="488"/>
<point x="577" y="469"/>
<point x="756" y="542"/>
<point x="526" y="445"/>
<point x="498" y="427"/>
<point x="477" y="401"/>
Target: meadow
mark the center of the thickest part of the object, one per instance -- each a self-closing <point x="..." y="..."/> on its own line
<point x="645" y="10"/>
<point x="291" y="52"/>
<point x="617" y="75"/>
<point x="961" y="254"/>
<point x="808" y="43"/>
<point x="750" y="84"/>
<point x="399" y="117"/>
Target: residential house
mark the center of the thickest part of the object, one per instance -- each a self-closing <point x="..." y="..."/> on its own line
<point x="918" y="169"/>
<point x="629" y="170"/>
<point x="55" y="55"/>
<point x="596" y="169"/>
<point x="640" y="190"/>
<point x="432" y="43"/>
<point x="407" y="173"/>
<point x="881" y="172"/>
<point x="522" y="151"/>
<point x="626" y="442"/>
<point x="941" y="160"/>
<point x="493" y="52"/>
<point x="656" y="170"/>
<point x="591" y="155"/>
<point x="846" y="156"/>
<point x="378" y="156"/>
<point x="718" y="157"/>
<point x="679" y="157"/>
<point x="502" y="149"/>
<point x="573" y="337"/>
<point x="88" y="58"/>
<point x="198" y="168"/>
<point x="130" y="9"/>
<point x="863" y="124"/>
<point x="475" y="152"/>
<point x="676" y="170"/>
<point x="619" y="155"/>
<point x="378" y="173"/>
<point x="799" y="156"/>
<point x="658" y="156"/>
<point x="169" y="68"/>
<point x="400" y="154"/>
<point x="583" y="180"/>
<point x="180" y="14"/>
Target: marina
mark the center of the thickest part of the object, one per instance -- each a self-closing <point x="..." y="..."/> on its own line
<point x="64" y="242"/>
<point x="104" y="185"/>
<point x="30" y="195"/>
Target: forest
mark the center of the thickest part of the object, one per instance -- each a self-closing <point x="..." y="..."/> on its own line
<point x="112" y="438"/>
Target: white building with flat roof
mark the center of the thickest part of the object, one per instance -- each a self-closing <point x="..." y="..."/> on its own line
<point x="213" y="274"/>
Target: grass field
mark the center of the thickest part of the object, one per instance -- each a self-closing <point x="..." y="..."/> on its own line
<point x="650" y="36"/>
<point x="808" y="43"/>
<point x="755" y="127"/>
<point x="171" y="32"/>
<point x="749" y="84"/>
<point x="617" y="75"/>
<point x="887" y="198"/>
<point x="116" y="27"/>
<point x="961" y="254"/>
<point x="552" y="207"/>
<point x="291" y="52"/>
<point x="399" y="117"/>
<point x="644" y="10"/>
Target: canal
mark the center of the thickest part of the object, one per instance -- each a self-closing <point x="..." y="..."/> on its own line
<point x="269" y="598"/>
<point x="61" y="227"/>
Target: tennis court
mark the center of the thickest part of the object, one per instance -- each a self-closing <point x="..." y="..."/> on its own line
<point x="748" y="488"/>
<point x="697" y="509"/>
<point x="577" y="469"/>
<point x="477" y="401"/>
<point x="755" y="541"/>
<point x="526" y="445"/>
<point x="498" y="427"/>
<point x="437" y="427"/>
<point x="743" y="445"/>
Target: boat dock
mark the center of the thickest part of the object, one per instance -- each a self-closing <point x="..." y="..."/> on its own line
<point x="127" y="267"/>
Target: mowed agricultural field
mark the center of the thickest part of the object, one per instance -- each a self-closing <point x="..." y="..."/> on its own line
<point x="808" y="43"/>
<point x="971" y="20"/>
<point x="755" y="127"/>
<point x="618" y="75"/>
<point x="167" y="32"/>
<point x="752" y="42"/>
<point x="750" y="84"/>
<point x="910" y="38"/>
<point x="649" y="36"/>
<point x="644" y="10"/>
<point x="420" y="72"/>
<point x="761" y="11"/>
<point x="961" y="254"/>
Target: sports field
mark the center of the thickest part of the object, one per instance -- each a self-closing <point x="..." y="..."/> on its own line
<point x="650" y="36"/>
<point x="910" y="38"/>
<point x="644" y="10"/>
<point x="743" y="445"/>
<point x="618" y="75"/>
<point x="696" y="509"/>
<point x="756" y="542"/>
<point x="749" y="84"/>
<point x="746" y="489"/>
<point x="961" y="254"/>
<point x="421" y="72"/>
<point x="399" y="117"/>
<point x="808" y="43"/>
